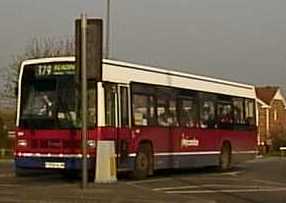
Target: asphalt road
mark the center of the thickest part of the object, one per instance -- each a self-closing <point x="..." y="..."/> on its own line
<point x="261" y="180"/>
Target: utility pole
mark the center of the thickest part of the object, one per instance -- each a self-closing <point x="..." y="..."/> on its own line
<point x="84" y="99"/>
<point x="107" y="29"/>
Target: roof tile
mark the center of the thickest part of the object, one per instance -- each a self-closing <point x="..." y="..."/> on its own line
<point x="267" y="93"/>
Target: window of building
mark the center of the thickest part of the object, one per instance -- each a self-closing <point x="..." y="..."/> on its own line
<point x="275" y="115"/>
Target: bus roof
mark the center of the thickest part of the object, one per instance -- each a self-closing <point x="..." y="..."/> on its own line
<point x="124" y="72"/>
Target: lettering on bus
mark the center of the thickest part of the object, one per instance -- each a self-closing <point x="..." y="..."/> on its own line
<point x="44" y="70"/>
<point x="189" y="142"/>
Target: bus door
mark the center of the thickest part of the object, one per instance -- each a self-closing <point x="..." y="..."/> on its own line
<point x="123" y="123"/>
<point x="117" y="120"/>
<point x="111" y="109"/>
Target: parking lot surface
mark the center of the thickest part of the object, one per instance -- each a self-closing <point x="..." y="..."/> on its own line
<point x="261" y="180"/>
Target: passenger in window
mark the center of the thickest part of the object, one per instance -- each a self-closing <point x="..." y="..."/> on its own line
<point x="163" y="117"/>
<point x="47" y="104"/>
<point x="166" y="117"/>
<point x="225" y="116"/>
<point x="225" y="119"/>
<point x="186" y="118"/>
<point x="207" y="116"/>
<point x="173" y="119"/>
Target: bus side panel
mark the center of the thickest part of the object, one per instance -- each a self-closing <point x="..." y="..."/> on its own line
<point x="194" y="147"/>
<point x="243" y="144"/>
<point x="159" y="138"/>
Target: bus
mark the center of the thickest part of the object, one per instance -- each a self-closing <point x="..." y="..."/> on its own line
<point x="157" y="118"/>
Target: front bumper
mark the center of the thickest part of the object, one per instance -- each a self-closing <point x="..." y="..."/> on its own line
<point x="47" y="163"/>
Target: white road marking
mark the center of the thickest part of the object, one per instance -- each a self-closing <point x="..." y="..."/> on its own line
<point x="175" y="188"/>
<point x="233" y="173"/>
<point x="268" y="182"/>
<point x="208" y="186"/>
<point x="227" y="191"/>
<point x="149" y="181"/>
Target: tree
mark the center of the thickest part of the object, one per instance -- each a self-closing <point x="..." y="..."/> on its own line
<point x="36" y="48"/>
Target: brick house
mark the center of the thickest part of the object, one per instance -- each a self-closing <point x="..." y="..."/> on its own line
<point x="271" y="106"/>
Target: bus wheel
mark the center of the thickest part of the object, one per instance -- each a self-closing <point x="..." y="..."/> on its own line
<point x="143" y="162"/>
<point x="225" y="157"/>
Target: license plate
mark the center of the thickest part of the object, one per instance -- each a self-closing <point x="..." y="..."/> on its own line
<point x="55" y="165"/>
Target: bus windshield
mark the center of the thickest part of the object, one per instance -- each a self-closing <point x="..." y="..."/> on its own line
<point x="41" y="97"/>
<point x="47" y="99"/>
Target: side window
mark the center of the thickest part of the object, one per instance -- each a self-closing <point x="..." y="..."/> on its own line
<point x="249" y="112"/>
<point x="187" y="112"/>
<point x="238" y="114"/>
<point x="124" y="106"/>
<point x="143" y="110"/>
<point x="110" y="92"/>
<point x="166" y="111"/>
<point x="207" y="111"/>
<point x="224" y="114"/>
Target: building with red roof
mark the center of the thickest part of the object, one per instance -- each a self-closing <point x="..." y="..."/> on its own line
<point x="271" y="106"/>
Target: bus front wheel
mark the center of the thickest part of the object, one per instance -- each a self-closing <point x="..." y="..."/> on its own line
<point x="143" y="162"/>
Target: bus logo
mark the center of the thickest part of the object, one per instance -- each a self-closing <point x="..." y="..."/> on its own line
<point x="186" y="142"/>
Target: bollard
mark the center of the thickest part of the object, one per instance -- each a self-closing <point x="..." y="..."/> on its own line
<point x="105" y="162"/>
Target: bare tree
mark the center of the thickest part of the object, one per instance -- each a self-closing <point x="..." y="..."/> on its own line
<point x="36" y="48"/>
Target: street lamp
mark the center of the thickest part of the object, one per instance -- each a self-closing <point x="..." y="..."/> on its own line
<point x="107" y="29"/>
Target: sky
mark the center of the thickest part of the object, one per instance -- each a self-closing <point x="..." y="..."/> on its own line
<point x="237" y="40"/>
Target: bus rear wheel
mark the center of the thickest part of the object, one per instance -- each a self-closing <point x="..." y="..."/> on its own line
<point x="143" y="162"/>
<point x="225" y="157"/>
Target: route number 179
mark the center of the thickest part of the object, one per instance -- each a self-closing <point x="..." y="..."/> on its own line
<point x="44" y="70"/>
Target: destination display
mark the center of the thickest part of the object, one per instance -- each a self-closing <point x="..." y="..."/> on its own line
<point x="44" y="70"/>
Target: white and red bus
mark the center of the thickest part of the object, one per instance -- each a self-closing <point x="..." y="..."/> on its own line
<point x="158" y="118"/>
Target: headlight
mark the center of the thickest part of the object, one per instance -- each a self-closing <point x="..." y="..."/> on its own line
<point x="91" y="143"/>
<point x="22" y="143"/>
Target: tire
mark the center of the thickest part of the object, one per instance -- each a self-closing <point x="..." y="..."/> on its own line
<point x="225" y="157"/>
<point x="143" y="162"/>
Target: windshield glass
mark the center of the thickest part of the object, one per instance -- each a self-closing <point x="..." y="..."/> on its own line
<point x="48" y="97"/>
<point x="40" y="99"/>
